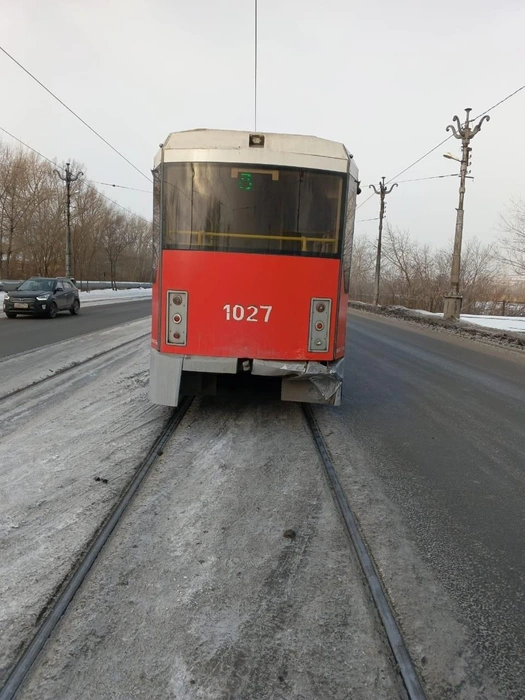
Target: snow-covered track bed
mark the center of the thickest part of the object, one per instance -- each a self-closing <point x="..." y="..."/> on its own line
<point x="230" y="576"/>
<point x="26" y="370"/>
<point x="52" y="614"/>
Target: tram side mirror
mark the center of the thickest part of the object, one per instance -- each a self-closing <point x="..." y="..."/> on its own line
<point x="358" y="187"/>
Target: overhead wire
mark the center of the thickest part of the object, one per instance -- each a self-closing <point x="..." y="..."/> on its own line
<point x="86" y="181"/>
<point x="431" y="177"/>
<point x="121" y="155"/>
<point x="402" y="172"/>
<point x="83" y="121"/>
<point x="75" y="114"/>
<point x="122" y="187"/>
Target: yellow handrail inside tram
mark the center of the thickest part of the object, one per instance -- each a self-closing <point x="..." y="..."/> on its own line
<point x="304" y="240"/>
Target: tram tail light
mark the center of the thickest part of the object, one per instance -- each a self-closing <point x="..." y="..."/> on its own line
<point x="177" y="318"/>
<point x="319" y="335"/>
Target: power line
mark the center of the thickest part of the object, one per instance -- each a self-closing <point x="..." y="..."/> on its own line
<point x="122" y="187"/>
<point x="363" y="203"/>
<point x="420" y="159"/>
<point x="417" y="179"/>
<point x="451" y="135"/>
<point x="432" y="177"/>
<point x="26" y="146"/>
<point x="255" y="75"/>
<point x="87" y="182"/>
<point x="444" y="141"/>
<point x="74" y="113"/>
<point x="500" y="102"/>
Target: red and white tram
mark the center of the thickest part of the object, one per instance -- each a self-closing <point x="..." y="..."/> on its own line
<point x="254" y="236"/>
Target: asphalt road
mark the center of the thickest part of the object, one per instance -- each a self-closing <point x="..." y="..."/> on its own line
<point x="27" y="333"/>
<point x="439" y="423"/>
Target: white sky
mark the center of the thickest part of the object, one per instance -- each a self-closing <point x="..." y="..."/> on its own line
<point x="384" y="77"/>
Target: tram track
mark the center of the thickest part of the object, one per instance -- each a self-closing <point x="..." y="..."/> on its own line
<point x="70" y="367"/>
<point x="405" y="665"/>
<point x="82" y="567"/>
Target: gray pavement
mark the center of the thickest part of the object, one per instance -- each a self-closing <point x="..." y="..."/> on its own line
<point x="27" y="333"/>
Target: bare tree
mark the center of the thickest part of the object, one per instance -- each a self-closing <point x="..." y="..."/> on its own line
<point x="362" y="269"/>
<point x="513" y="242"/>
<point x="417" y="276"/>
<point x="32" y="226"/>
<point x="15" y="203"/>
<point x="114" y="239"/>
<point x="480" y="272"/>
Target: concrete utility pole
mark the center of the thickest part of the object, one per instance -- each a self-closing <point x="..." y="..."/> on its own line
<point x="453" y="300"/>
<point x="68" y="179"/>
<point x="382" y="192"/>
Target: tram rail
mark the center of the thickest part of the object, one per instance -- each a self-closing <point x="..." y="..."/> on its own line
<point x="406" y="667"/>
<point x="77" y="575"/>
<point x="68" y="368"/>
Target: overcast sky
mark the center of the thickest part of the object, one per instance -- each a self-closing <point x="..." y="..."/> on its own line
<point x="384" y="77"/>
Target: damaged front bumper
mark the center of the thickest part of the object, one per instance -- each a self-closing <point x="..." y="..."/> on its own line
<point x="308" y="382"/>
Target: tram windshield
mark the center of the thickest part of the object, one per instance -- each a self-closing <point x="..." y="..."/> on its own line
<point x="253" y="209"/>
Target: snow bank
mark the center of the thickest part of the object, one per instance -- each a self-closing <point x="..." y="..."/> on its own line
<point x="28" y="368"/>
<point x="108" y="296"/>
<point x="503" y="323"/>
<point x="515" y="324"/>
<point x="111" y="296"/>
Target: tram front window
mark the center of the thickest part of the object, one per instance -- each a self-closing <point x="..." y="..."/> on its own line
<point x="258" y="209"/>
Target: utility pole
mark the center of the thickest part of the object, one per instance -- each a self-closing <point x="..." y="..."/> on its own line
<point x="453" y="300"/>
<point x="382" y="192"/>
<point x="68" y="179"/>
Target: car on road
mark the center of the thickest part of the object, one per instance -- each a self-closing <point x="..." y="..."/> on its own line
<point x="42" y="296"/>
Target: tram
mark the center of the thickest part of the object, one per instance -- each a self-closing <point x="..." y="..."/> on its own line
<point x="253" y="235"/>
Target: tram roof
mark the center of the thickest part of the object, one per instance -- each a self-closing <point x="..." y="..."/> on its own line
<point x="292" y="150"/>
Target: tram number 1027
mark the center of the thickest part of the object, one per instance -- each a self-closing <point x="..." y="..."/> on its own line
<point x="247" y="313"/>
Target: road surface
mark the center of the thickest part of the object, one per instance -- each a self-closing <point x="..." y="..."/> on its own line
<point x="27" y="333"/>
<point x="432" y="435"/>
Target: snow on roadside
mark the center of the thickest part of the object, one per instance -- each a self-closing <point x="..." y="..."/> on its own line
<point x="25" y="369"/>
<point x="111" y="296"/>
<point x="108" y="296"/>
<point x="55" y="439"/>
<point x="516" y="324"/>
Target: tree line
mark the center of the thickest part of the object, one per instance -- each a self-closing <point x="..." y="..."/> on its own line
<point x="417" y="275"/>
<point x="108" y="243"/>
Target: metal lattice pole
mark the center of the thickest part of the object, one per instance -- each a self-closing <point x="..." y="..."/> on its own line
<point x="68" y="178"/>
<point x="453" y="300"/>
<point x="382" y="192"/>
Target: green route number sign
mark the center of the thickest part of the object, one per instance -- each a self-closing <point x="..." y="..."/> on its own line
<point x="245" y="182"/>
